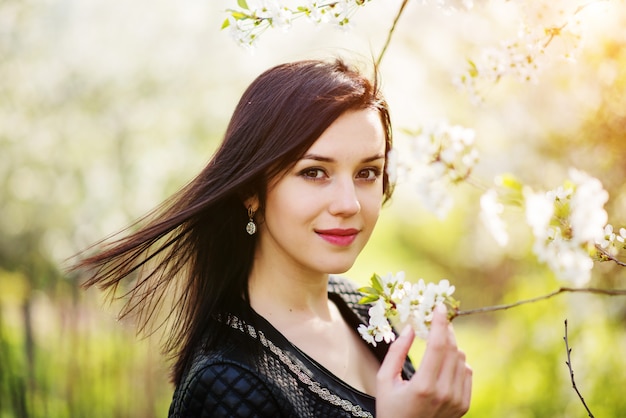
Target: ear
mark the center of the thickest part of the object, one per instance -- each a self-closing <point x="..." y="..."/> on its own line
<point x="252" y="202"/>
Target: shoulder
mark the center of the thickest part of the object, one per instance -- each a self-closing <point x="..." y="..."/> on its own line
<point x="344" y="287"/>
<point x="220" y="387"/>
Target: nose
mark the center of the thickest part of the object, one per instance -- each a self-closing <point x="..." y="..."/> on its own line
<point x="344" y="199"/>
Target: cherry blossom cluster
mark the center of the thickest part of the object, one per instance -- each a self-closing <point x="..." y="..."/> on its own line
<point x="568" y="223"/>
<point x="555" y="25"/>
<point x="435" y="159"/>
<point x="397" y="303"/>
<point x="251" y="18"/>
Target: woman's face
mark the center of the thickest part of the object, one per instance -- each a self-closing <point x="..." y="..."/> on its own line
<point x="321" y="213"/>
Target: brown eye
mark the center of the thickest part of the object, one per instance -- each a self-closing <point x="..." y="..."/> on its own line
<point x="369" y="174"/>
<point x="313" y="173"/>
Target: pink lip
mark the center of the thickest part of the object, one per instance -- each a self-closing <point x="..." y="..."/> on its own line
<point x="337" y="236"/>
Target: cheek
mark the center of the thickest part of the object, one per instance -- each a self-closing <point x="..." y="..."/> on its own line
<point x="371" y="204"/>
<point x="373" y="195"/>
<point x="287" y="203"/>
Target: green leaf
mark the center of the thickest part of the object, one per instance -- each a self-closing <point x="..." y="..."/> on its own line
<point x="473" y="71"/>
<point x="512" y="190"/>
<point x="243" y="4"/>
<point x="377" y="283"/>
<point x="225" y="24"/>
<point x="368" y="299"/>
<point x="510" y="182"/>
<point x="368" y="290"/>
<point x="239" y="15"/>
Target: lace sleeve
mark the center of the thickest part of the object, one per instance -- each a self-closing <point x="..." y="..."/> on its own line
<point x="224" y="390"/>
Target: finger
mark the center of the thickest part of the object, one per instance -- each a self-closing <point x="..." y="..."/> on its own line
<point x="451" y="334"/>
<point x="467" y="387"/>
<point x="436" y="346"/>
<point x="451" y="377"/>
<point x="394" y="360"/>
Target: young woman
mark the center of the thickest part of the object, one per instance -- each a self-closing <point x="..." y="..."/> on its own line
<point x="248" y="251"/>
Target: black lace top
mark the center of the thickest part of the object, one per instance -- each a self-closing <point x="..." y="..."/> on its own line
<point x="257" y="372"/>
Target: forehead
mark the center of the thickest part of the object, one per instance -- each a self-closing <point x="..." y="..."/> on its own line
<point x="355" y="132"/>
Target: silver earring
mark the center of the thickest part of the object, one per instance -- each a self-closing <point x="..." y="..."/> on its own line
<point x="251" y="226"/>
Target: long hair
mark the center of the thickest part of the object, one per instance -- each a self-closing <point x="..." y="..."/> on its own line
<point x="193" y="249"/>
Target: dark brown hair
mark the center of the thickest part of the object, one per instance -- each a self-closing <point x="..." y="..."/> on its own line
<point x="193" y="249"/>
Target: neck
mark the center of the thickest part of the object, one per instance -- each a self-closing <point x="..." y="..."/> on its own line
<point x="274" y="293"/>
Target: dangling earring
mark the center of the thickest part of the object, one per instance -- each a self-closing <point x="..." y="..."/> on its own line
<point x="251" y="226"/>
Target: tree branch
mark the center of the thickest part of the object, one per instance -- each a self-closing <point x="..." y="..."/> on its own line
<point x="606" y="292"/>
<point x="571" y="372"/>
<point x="390" y="33"/>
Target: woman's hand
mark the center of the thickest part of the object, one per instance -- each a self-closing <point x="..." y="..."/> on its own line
<point x="440" y="388"/>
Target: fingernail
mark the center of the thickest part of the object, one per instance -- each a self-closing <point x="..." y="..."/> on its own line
<point x="441" y="309"/>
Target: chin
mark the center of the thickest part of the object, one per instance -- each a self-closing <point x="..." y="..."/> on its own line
<point x="334" y="263"/>
<point x="339" y="269"/>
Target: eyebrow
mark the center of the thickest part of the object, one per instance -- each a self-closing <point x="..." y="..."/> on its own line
<point x="317" y="157"/>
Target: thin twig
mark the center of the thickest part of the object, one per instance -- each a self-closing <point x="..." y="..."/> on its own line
<point x="608" y="257"/>
<point x="390" y="33"/>
<point x="557" y="30"/>
<point x="571" y="372"/>
<point x="606" y="292"/>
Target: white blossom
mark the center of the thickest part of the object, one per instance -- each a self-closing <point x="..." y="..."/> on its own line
<point x="557" y="23"/>
<point x="490" y="215"/>
<point x="570" y="262"/>
<point x="248" y="22"/>
<point x="560" y="193"/>
<point x="242" y="31"/>
<point x="609" y="237"/>
<point x="379" y="328"/>
<point x="539" y="211"/>
<point x="567" y="222"/>
<point x="432" y="188"/>
<point x="367" y="333"/>
<point x="404" y="303"/>
<point x="393" y="285"/>
<point x="612" y="242"/>
<point x="391" y="165"/>
<point x="445" y="288"/>
<point x="434" y="160"/>
<point x="553" y="25"/>
<point x="588" y="216"/>
<point x="278" y="15"/>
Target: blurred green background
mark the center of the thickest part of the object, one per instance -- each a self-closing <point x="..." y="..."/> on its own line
<point x="107" y="107"/>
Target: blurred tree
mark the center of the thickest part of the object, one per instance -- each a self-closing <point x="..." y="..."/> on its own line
<point x="106" y="108"/>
